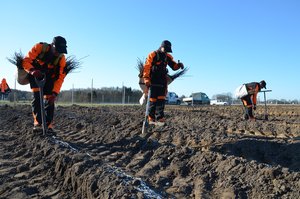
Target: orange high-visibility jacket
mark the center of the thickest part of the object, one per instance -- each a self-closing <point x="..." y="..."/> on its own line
<point x="57" y="70"/>
<point x="153" y="60"/>
<point x="4" y="86"/>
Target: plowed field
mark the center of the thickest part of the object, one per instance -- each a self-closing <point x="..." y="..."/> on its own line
<point x="202" y="152"/>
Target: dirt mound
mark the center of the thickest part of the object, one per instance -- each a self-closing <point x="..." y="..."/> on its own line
<point x="202" y="152"/>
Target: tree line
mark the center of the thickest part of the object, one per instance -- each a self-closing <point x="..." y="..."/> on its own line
<point x="125" y="95"/>
<point x="228" y="97"/>
<point x="103" y="95"/>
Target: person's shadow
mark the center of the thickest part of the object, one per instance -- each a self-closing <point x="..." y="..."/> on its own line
<point x="265" y="151"/>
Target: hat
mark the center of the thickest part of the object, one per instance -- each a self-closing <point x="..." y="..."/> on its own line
<point x="167" y="45"/>
<point x="263" y="84"/>
<point x="60" y="44"/>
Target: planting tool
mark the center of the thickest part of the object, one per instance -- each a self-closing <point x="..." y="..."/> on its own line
<point x="146" y="120"/>
<point x="265" y="101"/>
<point x="41" y="83"/>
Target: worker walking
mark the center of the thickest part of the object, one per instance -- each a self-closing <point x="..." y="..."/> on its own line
<point x="46" y="61"/>
<point x="4" y="88"/>
<point x="155" y="76"/>
<point x="248" y="95"/>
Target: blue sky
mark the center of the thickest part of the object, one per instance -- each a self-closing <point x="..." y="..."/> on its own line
<point x="224" y="43"/>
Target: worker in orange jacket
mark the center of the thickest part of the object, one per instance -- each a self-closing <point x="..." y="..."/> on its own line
<point x="249" y="101"/>
<point x="46" y="60"/>
<point x="155" y="76"/>
<point x="4" y="88"/>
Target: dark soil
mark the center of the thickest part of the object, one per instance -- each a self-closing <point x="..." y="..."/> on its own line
<point x="202" y="152"/>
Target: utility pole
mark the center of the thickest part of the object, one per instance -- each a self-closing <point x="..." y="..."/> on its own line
<point x="123" y="97"/>
<point x="15" y="92"/>
<point x="72" y="94"/>
<point x="92" y="92"/>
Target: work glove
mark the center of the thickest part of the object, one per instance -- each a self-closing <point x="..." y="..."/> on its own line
<point x="180" y="65"/>
<point x="52" y="98"/>
<point x="36" y="73"/>
<point x="254" y="107"/>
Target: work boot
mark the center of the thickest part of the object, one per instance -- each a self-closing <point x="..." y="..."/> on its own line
<point x="252" y="119"/>
<point x="37" y="128"/>
<point x="161" y="122"/>
<point x="51" y="132"/>
<point x="151" y="120"/>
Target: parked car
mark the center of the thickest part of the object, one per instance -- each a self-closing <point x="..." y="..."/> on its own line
<point x="172" y="98"/>
<point x="218" y="102"/>
<point x="197" y="98"/>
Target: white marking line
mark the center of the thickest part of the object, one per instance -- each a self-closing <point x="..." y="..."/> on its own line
<point x="64" y="144"/>
<point x="142" y="187"/>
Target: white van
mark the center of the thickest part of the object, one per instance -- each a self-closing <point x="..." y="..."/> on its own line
<point x="218" y="102"/>
<point x="197" y="98"/>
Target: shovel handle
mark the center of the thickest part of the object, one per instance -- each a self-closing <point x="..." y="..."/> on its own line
<point x="146" y="122"/>
<point x="41" y="83"/>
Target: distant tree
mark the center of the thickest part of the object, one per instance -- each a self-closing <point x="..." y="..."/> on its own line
<point x="103" y="95"/>
<point x="19" y="96"/>
<point x="283" y="101"/>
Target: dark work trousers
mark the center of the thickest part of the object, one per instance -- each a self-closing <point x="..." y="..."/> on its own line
<point x="3" y="96"/>
<point x="157" y="102"/>
<point x="247" y="102"/>
<point x="35" y="105"/>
